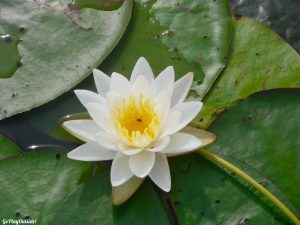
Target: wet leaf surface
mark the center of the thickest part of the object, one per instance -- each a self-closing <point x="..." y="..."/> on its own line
<point x="58" y="48"/>
<point x="138" y="40"/>
<point x="34" y="185"/>
<point x="263" y="131"/>
<point x="281" y="16"/>
<point x="202" y="193"/>
<point x="260" y="60"/>
<point x="8" y="148"/>
<point x="9" y="55"/>
<point x="200" y="31"/>
<point x="91" y="204"/>
<point x="98" y="4"/>
<point x="51" y="188"/>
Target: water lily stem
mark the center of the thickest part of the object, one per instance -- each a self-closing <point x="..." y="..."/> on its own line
<point x="219" y="161"/>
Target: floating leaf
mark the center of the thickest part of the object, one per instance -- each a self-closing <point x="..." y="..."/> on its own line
<point x="188" y="48"/>
<point x="263" y="131"/>
<point x="138" y="40"/>
<point x="91" y="204"/>
<point x="262" y="180"/>
<point x="144" y="207"/>
<point x="98" y="4"/>
<point x="142" y="38"/>
<point x="281" y="16"/>
<point x="202" y="193"/>
<point x="9" y="55"/>
<point x="8" y="148"/>
<point x="200" y="30"/>
<point x="260" y="60"/>
<point x="60" y="46"/>
<point x="34" y="185"/>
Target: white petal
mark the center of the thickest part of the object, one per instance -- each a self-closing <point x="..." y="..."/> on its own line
<point x="85" y="130"/>
<point x="143" y="68"/>
<point x="106" y="140"/>
<point x="99" y="115"/>
<point x="159" y="145"/>
<point x="141" y="164"/>
<point x="120" y="171"/>
<point x="120" y="84"/>
<point x="206" y="137"/>
<point x="128" y="150"/>
<point x="102" y="81"/>
<point x="164" y="81"/>
<point x="122" y="193"/>
<point x="181" y="89"/>
<point x="86" y="97"/>
<point x="113" y="100"/>
<point x="182" y="143"/>
<point x="91" y="151"/>
<point x="160" y="173"/>
<point x="162" y="105"/>
<point x="170" y="124"/>
<point x="141" y="86"/>
<point x="141" y="141"/>
<point x="188" y="112"/>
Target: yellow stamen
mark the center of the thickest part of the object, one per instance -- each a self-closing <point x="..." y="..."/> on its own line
<point x="137" y="121"/>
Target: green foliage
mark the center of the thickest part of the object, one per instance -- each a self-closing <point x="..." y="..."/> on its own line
<point x="8" y="148"/>
<point x="91" y="204"/>
<point x="281" y="16"/>
<point x="260" y="135"/>
<point x="35" y="184"/>
<point x="142" y="38"/>
<point x="9" y="55"/>
<point x="98" y="4"/>
<point x="200" y="31"/>
<point x="260" y="60"/>
<point x="263" y="131"/>
<point x="204" y="194"/>
<point x="58" y="48"/>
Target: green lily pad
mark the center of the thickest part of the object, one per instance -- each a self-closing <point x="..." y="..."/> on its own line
<point x="195" y="47"/>
<point x="60" y="46"/>
<point x="98" y="4"/>
<point x="34" y="185"/>
<point x="91" y="204"/>
<point x="142" y="38"/>
<point x="281" y="16"/>
<point x="202" y="193"/>
<point x="200" y="30"/>
<point x="263" y="131"/>
<point x="9" y="55"/>
<point x="8" y="148"/>
<point x="138" y="40"/>
<point x="261" y="179"/>
<point x="260" y="60"/>
<point x="144" y="207"/>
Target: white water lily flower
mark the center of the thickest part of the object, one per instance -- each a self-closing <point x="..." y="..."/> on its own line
<point x="136" y="123"/>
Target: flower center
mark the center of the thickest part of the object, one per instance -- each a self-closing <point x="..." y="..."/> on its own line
<point x="137" y="121"/>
